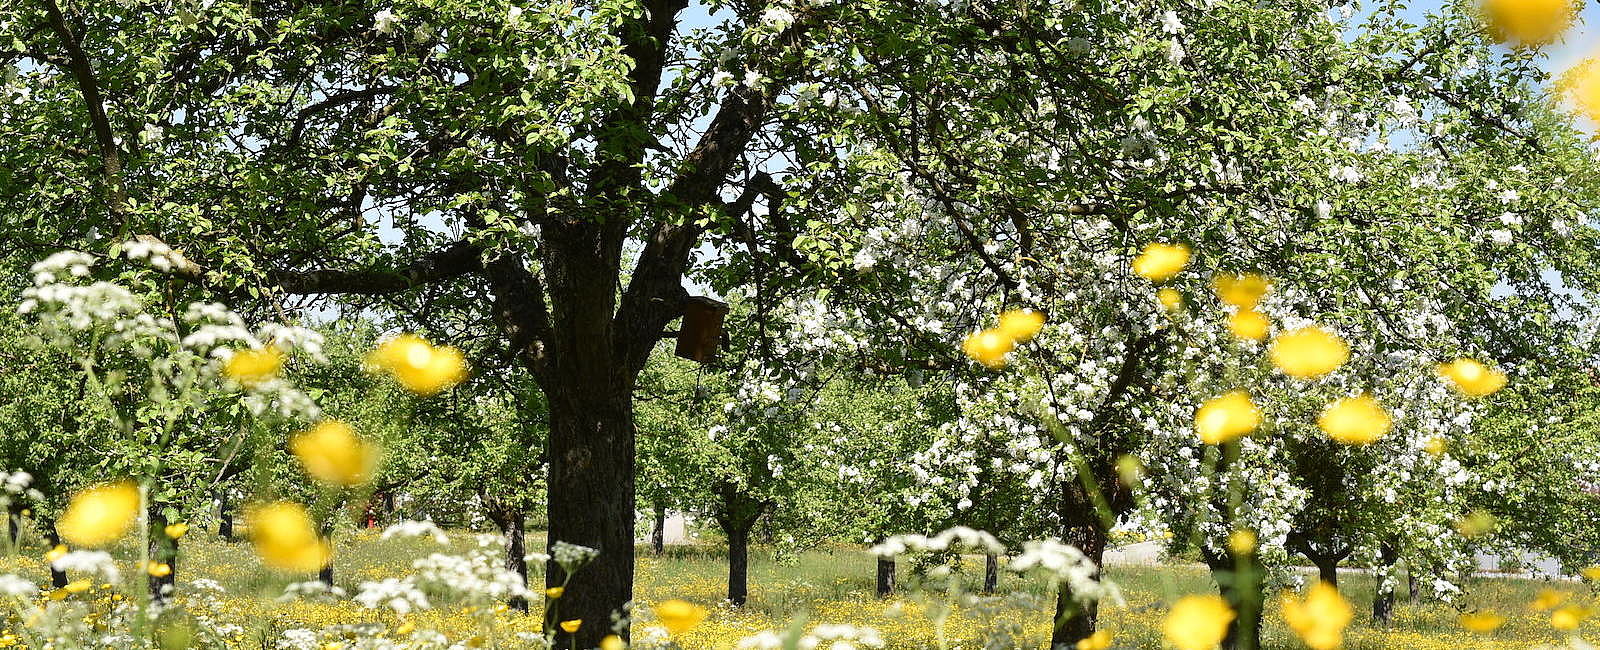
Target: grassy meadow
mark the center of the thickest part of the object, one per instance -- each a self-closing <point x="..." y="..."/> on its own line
<point x="828" y="585"/>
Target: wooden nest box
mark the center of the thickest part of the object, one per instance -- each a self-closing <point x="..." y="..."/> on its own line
<point x="702" y="328"/>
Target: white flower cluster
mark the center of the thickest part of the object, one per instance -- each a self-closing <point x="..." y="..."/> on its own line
<point x="312" y="590"/>
<point x="411" y="528"/>
<point x="952" y="539"/>
<point x="91" y="562"/>
<point x="400" y="595"/>
<point x="840" y="636"/>
<point x="1065" y="564"/>
<point x="479" y="576"/>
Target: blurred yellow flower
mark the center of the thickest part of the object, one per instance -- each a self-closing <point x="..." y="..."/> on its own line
<point x="988" y="347"/>
<point x="554" y="592"/>
<point x="159" y="569"/>
<point x="1308" y="352"/>
<point x="1159" y="262"/>
<point x="612" y="642"/>
<point x="1482" y="622"/>
<point x="1021" y="325"/>
<point x="1548" y="599"/>
<point x="1476" y="524"/>
<point x="1170" y="299"/>
<point x="55" y="553"/>
<point x="285" y="538"/>
<point x="572" y="626"/>
<point x="1592" y="573"/>
<point x="1527" y="23"/>
<point x="1435" y="446"/>
<point x="1197" y="622"/>
<point x="1320" y="618"/>
<point x="1358" y="420"/>
<point x="78" y="586"/>
<point x="100" y="515"/>
<point x="1100" y="640"/>
<point x="679" y="616"/>
<point x="251" y="367"/>
<point x="405" y="628"/>
<point x="1225" y="418"/>
<point x="1472" y="378"/>
<point x="332" y="453"/>
<point x="1568" y="617"/>
<point x="1242" y="291"/>
<point x="176" y="531"/>
<point x="1581" y="85"/>
<point x="1242" y="541"/>
<point x="418" y="365"/>
<point x="1249" y="325"/>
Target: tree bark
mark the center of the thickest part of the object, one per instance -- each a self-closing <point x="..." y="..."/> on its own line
<point x="1327" y="569"/>
<point x="886" y="567"/>
<point x="1075" y="622"/>
<point x="991" y="573"/>
<point x="58" y="578"/>
<point x="163" y="550"/>
<point x="517" y="554"/>
<point x="224" y="518"/>
<point x="1383" y="602"/>
<point x="739" y="566"/>
<point x="658" y="534"/>
<point x="1238" y="579"/>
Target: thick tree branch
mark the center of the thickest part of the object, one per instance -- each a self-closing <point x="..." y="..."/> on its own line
<point x="83" y="73"/>
<point x="458" y="259"/>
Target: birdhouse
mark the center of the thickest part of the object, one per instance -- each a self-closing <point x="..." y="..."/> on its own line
<point x="702" y="328"/>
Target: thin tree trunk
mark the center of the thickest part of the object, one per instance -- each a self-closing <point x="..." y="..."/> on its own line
<point x="1238" y="579"/>
<point x="325" y="574"/>
<point x="1411" y="581"/>
<point x="738" y="564"/>
<point x="1383" y="602"/>
<point x="886" y="567"/>
<point x="991" y="573"/>
<point x="163" y="550"/>
<point x="58" y="578"/>
<point x="14" y="525"/>
<point x="658" y="534"/>
<point x="224" y="518"/>
<point x="517" y="554"/>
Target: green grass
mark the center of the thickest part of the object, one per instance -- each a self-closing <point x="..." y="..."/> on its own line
<point x="837" y="585"/>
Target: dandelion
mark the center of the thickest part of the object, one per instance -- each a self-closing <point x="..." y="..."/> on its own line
<point x="100" y="515"/>
<point x="176" y="531"/>
<point x="1355" y="420"/>
<point x="1159" y="262"/>
<point x="1472" y="378"/>
<point x="253" y="367"/>
<point x="285" y="538"/>
<point x="1170" y="299"/>
<point x="988" y="347"/>
<point x="1527" y="23"/>
<point x="571" y="627"/>
<point x="1249" y="325"/>
<point x="1320" y="618"/>
<point x="1568" y="617"/>
<point x="1242" y="291"/>
<point x="1308" y="352"/>
<point x="1482" y="622"/>
<point x="332" y="453"/>
<point x="1197" y="622"/>
<point x="1226" y="418"/>
<point x="679" y="616"/>
<point x="1021" y="324"/>
<point x="418" y="365"/>
<point x="1100" y="640"/>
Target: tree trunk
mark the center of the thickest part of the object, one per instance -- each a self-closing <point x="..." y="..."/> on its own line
<point x="590" y="500"/>
<point x="991" y="573"/>
<point x="224" y="518"/>
<point x="163" y="550"/>
<point x="886" y="568"/>
<point x="1238" y="579"/>
<point x="738" y="565"/>
<point x="1327" y="569"/>
<point x="1411" y="581"/>
<point x="1076" y="622"/>
<point x="517" y="554"/>
<point x="14" y="525"/>
<point x="325" y="574"/>
<point x="658" y="534"/>
<point x="58" y="578"/>
<point x="1383" y="602"/>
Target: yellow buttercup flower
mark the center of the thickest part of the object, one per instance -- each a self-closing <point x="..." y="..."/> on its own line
<point x="405" y="628"/>
<point x="1159" y="262"/>
<point x="1021" y="324"/>
<point x="1308" y="352"/>
<point x="1548" y="599"/>
<point x="1249" y="325"/>
<point x="1482" y="622"/>
<point x="418" y="365"/>
<point x="1320" y="618"/>
<point x="100" y="515"/>
<point x="1581" y="85"/>
<point x="159" y="569"/>
<point x="554" y="592"/>
<point x="56" y="553"/>
<point x="679" y="616"/>
<point x="1242" y="541"/>
<point x="988" y="347"/>
<point x="1197" y="622"/>
<point x="332" y="453"/>
<point x="1435" y="446"/>
<point x="1527" y="23"/>
<point x="285" y="538"/>
<point x="78" y="586"/>
<point x="1592" y="573"/>
<point x="1472" y="378"/>
<point x="1170" y="299"/>
<point x="571" y="627"/>
<point x="1226" y="418"/>
<point x="176" y="531"/>
<point x="1355" y="420"/>
<point x="252" y="367"/>
<point x="1242" y="291"/>
<point x="1568" y="617"/>
<point x="612" y="642"/>
<point x="1100" y="640"/>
